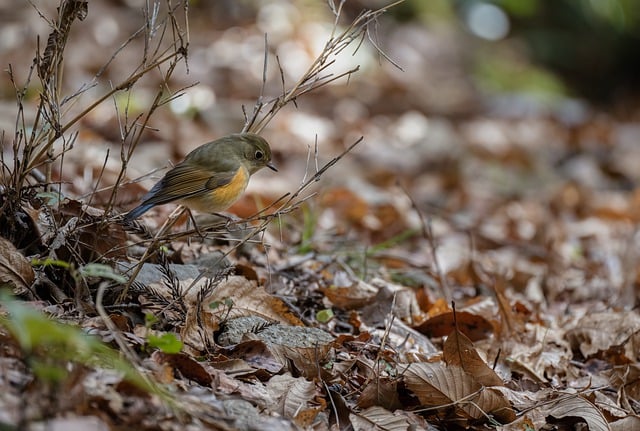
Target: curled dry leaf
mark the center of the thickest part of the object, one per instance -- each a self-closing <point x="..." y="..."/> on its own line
<point x="306" y="361"/>
<point x="355" y="294"/>
<point x="609" y="405"/>
<point x="15" y="269"/>
<point x="250" y="299"/>
<point x="293" y="396"/>
<point x="257" y="355"/>
<point x="391" y="298"/>
<point x="569" y="407"/>
<point x="376" y="418"/>
<point x="185" y="365"/>
<point x="381" y="391"/>
<point x="626" y="380"/>
<point x="598" y="332"/>
<point x="438" y="385"/>
<point x="233" y="368"/>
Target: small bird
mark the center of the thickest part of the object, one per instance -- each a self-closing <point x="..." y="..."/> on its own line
<point x="211" y="177"/>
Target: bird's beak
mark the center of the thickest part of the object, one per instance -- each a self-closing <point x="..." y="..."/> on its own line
<point x="272" y="167"/>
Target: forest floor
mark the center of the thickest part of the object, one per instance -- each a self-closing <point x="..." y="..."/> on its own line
<point x="470" y="263"/>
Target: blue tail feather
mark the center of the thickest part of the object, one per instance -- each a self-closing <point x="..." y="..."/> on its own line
<point x="137" y="212"/>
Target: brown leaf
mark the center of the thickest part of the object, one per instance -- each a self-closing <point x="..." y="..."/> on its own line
<point x="252" y="202"/>
<point x="626" y="380"/>
<point x="598" y="332"/>
<point x="127" y="388"/>
<point x="250" y="299"/>
<point x="186" y="366"/>
<point x="293" y="396"/>
<point x="86" y="235"/>
<point x="15" y="269"/>
<point x="630" y="423"/>
<point x="246" y="271"/>
<point x="347" y="205"/>
<point x="234" y="368"/>
<point x="257" y="354"/>
<point x="306" y="417"/>
<point x="459" y="351"/>
<point x="306" y="361"/>
<point x="378" y="419"/>
<point x="473" y="326"/>
<point x="569" y="407"/>
<point x="435" y="384"/>
<point x="356" y="295"/>
<point x="438" y="385"/>
<point x="382" y="392"/>
<point x="122" y="322"/>
<point x="512" y="325"/>
<point x="493" y="401"/>
<point x="245" y="297"/>
<point x="524" y="423"/>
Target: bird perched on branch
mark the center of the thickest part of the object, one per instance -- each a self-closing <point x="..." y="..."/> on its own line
<point x="211" y="177"/>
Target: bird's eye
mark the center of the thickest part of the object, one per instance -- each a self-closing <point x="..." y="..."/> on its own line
<point x="259" y="155"/>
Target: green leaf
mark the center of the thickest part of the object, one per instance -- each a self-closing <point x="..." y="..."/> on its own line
<point x="102" y="271"/>
<point x="167" y="342"/>
<point x="49" y="372"/>
<point x="49" y="346"/>
<point x="323" y="316"/>
<point x="150" y="319"/>
<point x="51" y="198"/>
<point x="50" y="262"/>
<point x="310" y="220"/>
<point x="395" y="240"/>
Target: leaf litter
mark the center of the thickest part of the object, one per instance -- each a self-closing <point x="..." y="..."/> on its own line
<point x="480" y="271"/>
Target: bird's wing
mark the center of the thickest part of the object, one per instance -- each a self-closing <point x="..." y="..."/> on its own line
<point x="184" y="181"/>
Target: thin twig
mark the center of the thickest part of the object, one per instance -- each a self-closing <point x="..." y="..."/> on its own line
<point x="427" y="233"/>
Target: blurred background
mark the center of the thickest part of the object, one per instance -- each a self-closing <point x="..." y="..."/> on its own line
<point x="465" y="104"/>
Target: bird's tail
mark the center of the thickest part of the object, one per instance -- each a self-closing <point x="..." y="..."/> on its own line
<point x="137" y="212"/>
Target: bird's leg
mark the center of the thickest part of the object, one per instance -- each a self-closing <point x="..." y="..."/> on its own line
<point x="192" y="219"/>
<point x="229" y="218"/>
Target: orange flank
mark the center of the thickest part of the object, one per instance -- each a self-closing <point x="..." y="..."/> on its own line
<point x="221" y="197"/>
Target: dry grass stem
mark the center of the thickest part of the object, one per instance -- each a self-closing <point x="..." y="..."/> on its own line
<point x="315" y="75"/>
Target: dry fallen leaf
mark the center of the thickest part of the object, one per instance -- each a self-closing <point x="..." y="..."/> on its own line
<point x="459" y="351"/>
<point x="293" y="395"/>
<point x="438" y="385"/>
<point x="380" y="391"/>
<point x="15" y="269"/>
<point x="630" y="423"/>
<point x="349" y="293"/>
<point x="188" y="367"/>
<point x="598" y="332"/>
<point x="473" y="326"/>
<point x="257" y="354"/>
<point x="569" y="407"/>
<point x="232" y="297"/>
<point x="378" y="419"/>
